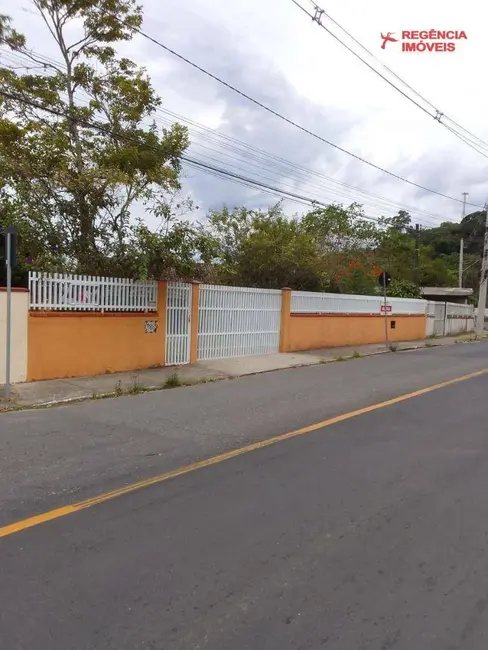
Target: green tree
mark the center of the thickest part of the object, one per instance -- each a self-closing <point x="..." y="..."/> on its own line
<point x="434" y="271"/>
<point x="276" y="254"/>
<point x="444" y="240"/>
<point x="264" y="249"/>
<point x="396" y="249"/>
<point x="340" y="234"/>
<point x="356" y="279"/>
<point x="71" y="187"/>
<point x="403" y="289"/>
<point x="229" y="230"/>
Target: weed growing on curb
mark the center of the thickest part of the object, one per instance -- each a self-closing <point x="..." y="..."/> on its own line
<point x="173" y="381"/>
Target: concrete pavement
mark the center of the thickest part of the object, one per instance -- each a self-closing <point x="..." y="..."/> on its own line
<point x="370" y="534"/>
<point x="57" y="391"/>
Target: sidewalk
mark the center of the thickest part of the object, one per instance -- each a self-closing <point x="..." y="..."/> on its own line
<point x="53" y="391"/>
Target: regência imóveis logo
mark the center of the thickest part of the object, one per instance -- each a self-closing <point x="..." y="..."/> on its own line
<point x="432" y="40"/>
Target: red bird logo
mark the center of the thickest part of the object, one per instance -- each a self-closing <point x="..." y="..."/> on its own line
<point x="388" y="39"/>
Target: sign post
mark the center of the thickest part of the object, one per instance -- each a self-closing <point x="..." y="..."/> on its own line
<point x="10" y="246"/>
<point x="384" y="279"/>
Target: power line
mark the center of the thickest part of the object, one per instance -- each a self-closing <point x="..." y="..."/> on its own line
<point x="191" y="161"/>
<point x="286" y="119"/>
<point x="280" y="165"/>
<point x="248" y="154"/>
<point x="255" y="183"/>
<point x="477" y="144"/>
<point x="50" y="62"/>
<point x="195" y="163"/>
<point x="317" y="20"/>
<point x="394" y="74"/>
<point x="288" y="192"/>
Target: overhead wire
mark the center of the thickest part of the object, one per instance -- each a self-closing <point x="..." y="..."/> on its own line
<point x="380" y="204"/>
<point x="394" y="74"/>
<point x="284" y="118"/>
<point x="248" y="152"/>
<point x="473" y="141"/>
<point x="280" y="116"/>
<point x="244" y="181"/>
<point x="360" y="58"/>
<point x="279" y="192"/>
<point x="191" y="161"/>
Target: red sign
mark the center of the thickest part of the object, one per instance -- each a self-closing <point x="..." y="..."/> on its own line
<point x="385" y="309"/>
<point x="423" y="40"/>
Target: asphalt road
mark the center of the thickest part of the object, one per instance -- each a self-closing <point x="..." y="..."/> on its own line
<point x="52" y="457"/>
<point x="369" y="534"/>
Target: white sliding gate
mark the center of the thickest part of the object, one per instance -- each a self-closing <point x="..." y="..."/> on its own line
<point x="178" y="317"/>
<point x="237" y="321"/>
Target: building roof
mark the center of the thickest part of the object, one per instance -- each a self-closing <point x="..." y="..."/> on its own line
<point x="446" y="291"/>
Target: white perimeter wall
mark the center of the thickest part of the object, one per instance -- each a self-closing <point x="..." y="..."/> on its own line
<point x="18" y="353"/>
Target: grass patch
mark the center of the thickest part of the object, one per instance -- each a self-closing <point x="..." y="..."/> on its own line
<point x="355" y="355"/>
<point x="173" y="381"/>
<point x="136" y="387"/>
<point x="393" y="347"/>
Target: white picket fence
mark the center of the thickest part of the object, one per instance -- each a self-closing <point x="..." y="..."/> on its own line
<point x="237" y="321"/>
<point x="65" y="292"/>
<point x="449" y="319"/>
<point x="305" y="302"/>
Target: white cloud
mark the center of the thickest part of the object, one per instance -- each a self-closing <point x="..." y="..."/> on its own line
<point x="272" y="51"/>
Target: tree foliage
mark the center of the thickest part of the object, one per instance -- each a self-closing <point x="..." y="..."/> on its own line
<point x="71" y="187"/>
<point x="403" y="289"/>
<point x="84" y="181"/>
<point x="265" y="249"/>
<point x="330" y="249"/>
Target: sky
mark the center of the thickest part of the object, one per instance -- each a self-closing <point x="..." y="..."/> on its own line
<point x="273" y="52"/>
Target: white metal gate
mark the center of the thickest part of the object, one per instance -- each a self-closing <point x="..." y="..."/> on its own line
<point x="436" y="318"/>
<point x="237" y="321"/>
<point x="178" y="316"/>
<point x="440" y="319"/>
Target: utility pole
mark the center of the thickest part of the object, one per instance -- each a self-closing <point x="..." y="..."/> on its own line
<point x="461" y="262"/>
<point x="10" y="260"/>
<point x="480" y="317"/>
<point x="461" y="245"/>
<point x="416" y="255"/>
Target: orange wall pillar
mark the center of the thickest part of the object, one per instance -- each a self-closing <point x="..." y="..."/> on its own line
<point x="285" y="319"/>
<point x="195" y="298"/>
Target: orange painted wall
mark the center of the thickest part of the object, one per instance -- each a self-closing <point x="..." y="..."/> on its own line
<point x="68" y="344"/>
<point x="309" y="331"/>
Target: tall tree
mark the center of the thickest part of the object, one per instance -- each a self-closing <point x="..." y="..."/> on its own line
<point x="70" y="186"/>
<point x="343" y="235"/>
<point x="264" y="249"/>
<point x="395" y="251"/>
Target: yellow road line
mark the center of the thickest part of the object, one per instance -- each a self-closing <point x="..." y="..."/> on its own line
<point x="76" y="507"/>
